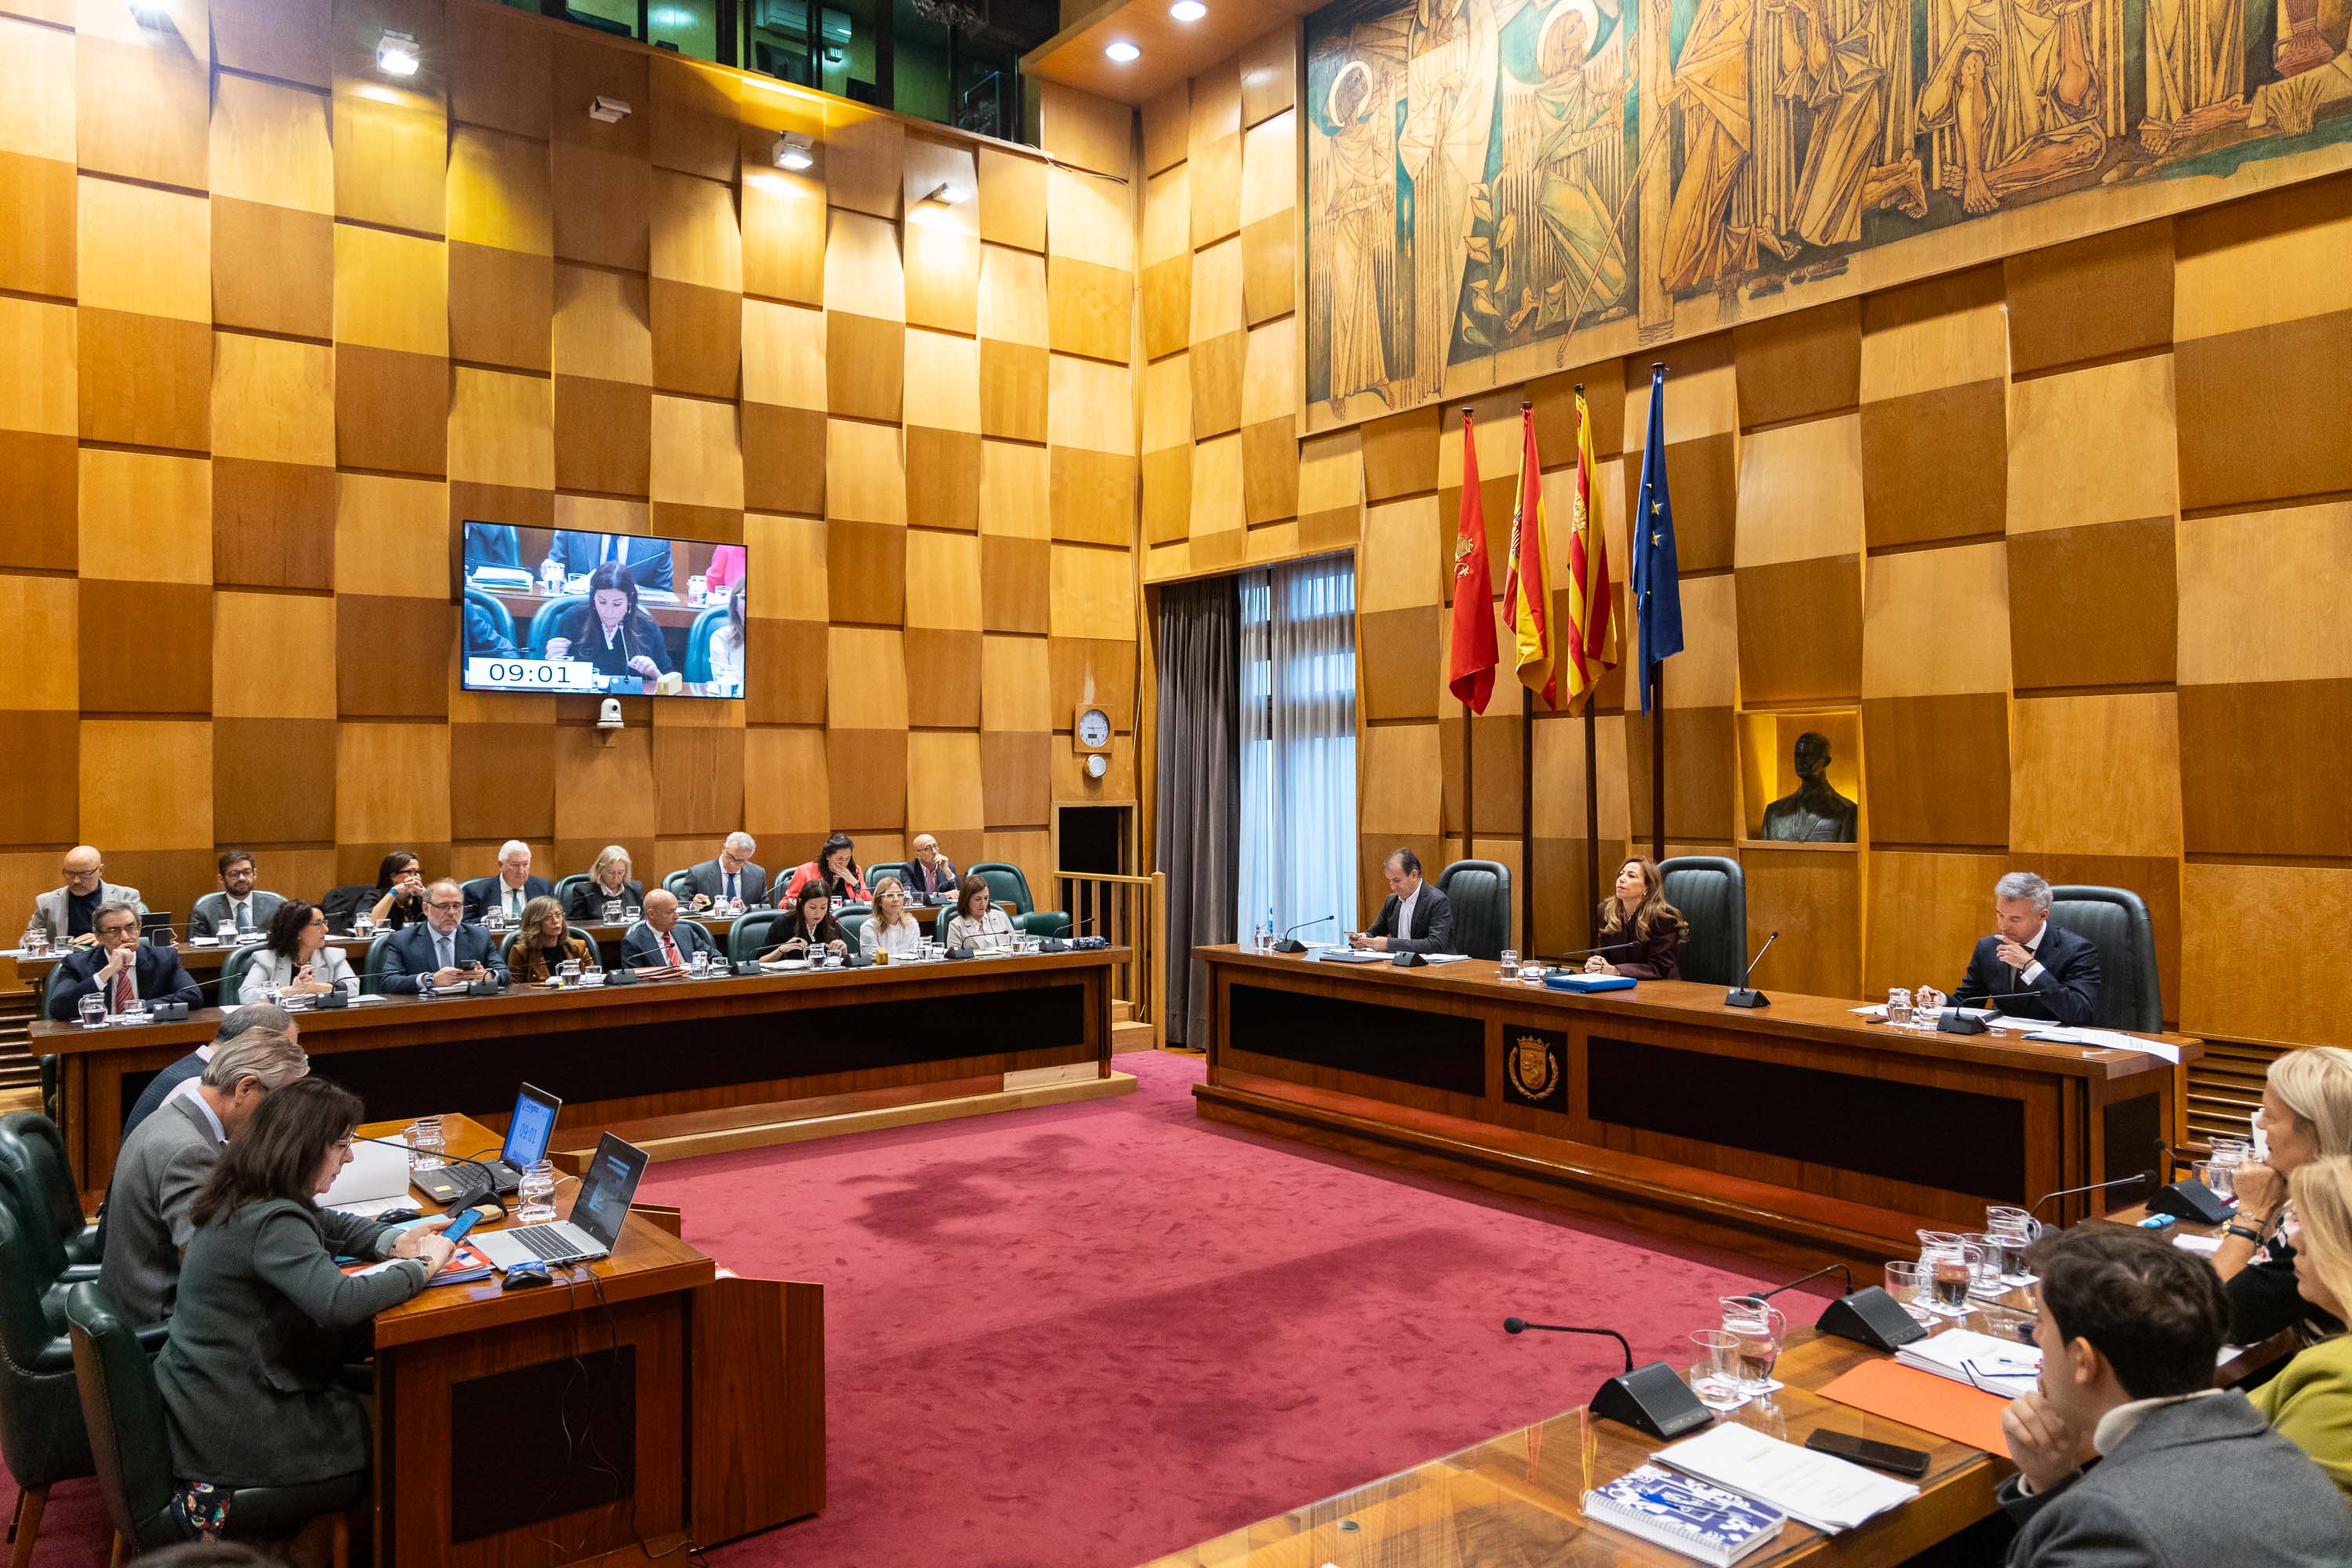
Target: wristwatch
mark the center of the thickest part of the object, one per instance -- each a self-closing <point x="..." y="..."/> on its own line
<point x="2253" y="1233"/>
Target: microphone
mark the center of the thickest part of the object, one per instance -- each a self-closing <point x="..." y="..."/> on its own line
<point x="1289" y="942"/>
<point x="1954" y="1020"/>
<point x="2091" y="1187"/>
<point x="1589" y="952"/>
<point x="1064" y="944"/>
<point x="1520" y="1326"/>
<point x="1652" y="1398"/>
<point x="1743" y="994"/>
<point x="1840" y="1269"/>
<point x="2189" y="1198"/>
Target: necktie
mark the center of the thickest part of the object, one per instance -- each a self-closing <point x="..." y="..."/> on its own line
<point x="514" y="903"/>
<point x="441" y="946"/>
<point x="730" y="886"/>
<point x="122" y="992"/>
<point x="670" y="947"/>
<point x="236" y="913"/>
<point x="612" y="548"/>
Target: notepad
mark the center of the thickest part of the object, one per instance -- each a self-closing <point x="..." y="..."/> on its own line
<point x="1827" y="1493"/>
<point x="2003" y="1368"/>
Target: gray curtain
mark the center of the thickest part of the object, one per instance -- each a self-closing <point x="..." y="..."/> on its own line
<point x="1200" y="785"/>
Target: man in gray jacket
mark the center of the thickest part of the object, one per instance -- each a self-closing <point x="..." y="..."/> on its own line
<point x="70" y="914"/>
<point x="166" y="1162"/>
<point x="2185" y="1473"/>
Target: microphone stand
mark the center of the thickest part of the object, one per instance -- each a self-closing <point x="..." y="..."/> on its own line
<point x="2089" y="1187"/>
<point x="1289" y="942"/>
<point x="1744" y="994"/>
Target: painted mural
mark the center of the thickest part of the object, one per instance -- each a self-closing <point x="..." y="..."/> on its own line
<point x="1489" y="179"/>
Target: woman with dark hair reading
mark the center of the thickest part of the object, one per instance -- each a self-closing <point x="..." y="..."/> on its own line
<point x="297" y="958"/>
<point x="610" y="631"/>
<point x="806" y="925"/>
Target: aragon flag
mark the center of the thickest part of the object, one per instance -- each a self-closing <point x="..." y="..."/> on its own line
<point x="1527" y="591"/>
<point x="1590" y="648"/>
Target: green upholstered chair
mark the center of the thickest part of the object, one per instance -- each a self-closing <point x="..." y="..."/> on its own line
<point x="1712" y="894"/>
<point x="2115" y="922"/>
<point x="41" y="1432"/>
<point x="698" y="642"/>
<point x="940" y="922"/>
<point x="1006" y="885"/>
<point x="51" y="1168"/>
<point x="563" y="886"/>
<point x="501" y="622"/>
<point x="747" y="937"/>
<point x="1480" y="892"/>
<point x="545" y="619"/>
<point x="679" y="883"/>
<point x="379" y="954"/>
<point x="874" y="874"/>
<point x="233" y="969"/>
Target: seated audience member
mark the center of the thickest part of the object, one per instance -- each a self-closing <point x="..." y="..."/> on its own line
<point x="1417" y="918"/>
<point x="238" y="905"/>
<point x="253" y="1373"/>
<point x="237" y="1021"/>
<point x="2306" y="1115"/>
<point x="662" y="941"/>
<point x="2128" y="1332"/>
<point x="297" y="958"/>
<point x="546" y="944"/>
<point x="121" y="968"/>
<point x="581" y="553"/>
<point x="509" y="888"/>
<point x="608" y="880"/>
<point x="483" y="638"/>
<point x="400" y="891"/>
<point x="165" y="1164"/>
<point x="727" y="648"/>
<point x="807" y="921"/>
<point x="931" y="877"/>
<point x="731" y="875"/>
<point x="725" y="568"/>
<point x="890" y="929"/>
<point x="2309" y="1403"/>
<point x="2028" y="968"/>
<point x="1645" y="928"/>
<point x="975" y="923"/>
<point x="442" y="947"/>
<point x="836" y="867"/>
<point x="492" y="544"/>
<point x="610" y="631"/>
<point x="70" y="914"/>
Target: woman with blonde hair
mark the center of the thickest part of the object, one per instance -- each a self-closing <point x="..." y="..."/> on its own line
<point x="2309" y="1403"/>
<point x="542" y="943"/>
<point x="2306" y="1115"/>
<point x="890" y="927"/>
<point x="608" y="878"/>
<point x="1641" y="929"/>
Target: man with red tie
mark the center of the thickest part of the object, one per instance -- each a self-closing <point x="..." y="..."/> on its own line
<point x="119" y="968"/>
<point x="662" y="941"/>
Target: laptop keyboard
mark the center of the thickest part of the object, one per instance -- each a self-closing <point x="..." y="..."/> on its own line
<point x="541" y="1240"/>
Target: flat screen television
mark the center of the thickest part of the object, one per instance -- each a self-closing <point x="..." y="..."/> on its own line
<point x="597" y="615"/>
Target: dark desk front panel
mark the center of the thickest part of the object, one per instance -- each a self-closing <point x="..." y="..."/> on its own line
<point x="1403" y="1044"/>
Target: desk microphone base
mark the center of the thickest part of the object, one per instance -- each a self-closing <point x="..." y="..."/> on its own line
<point x="1290" y="945"/>
<point x="1954" y="1021"/>
<point x="1742" y="996"/>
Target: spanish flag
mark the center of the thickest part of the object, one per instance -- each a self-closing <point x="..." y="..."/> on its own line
<point x="1526" y="589"/>
<point x="1591" y="644"/>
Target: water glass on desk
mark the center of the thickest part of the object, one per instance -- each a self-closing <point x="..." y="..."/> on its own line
<point x="1506" y="967"/>
<point x="1898" y="1007"/>
<point x="2220" y="1173"/>
<point x="1952" y="1262"/>
<point x="1758" y="1326"/>
<point x="535" y="1194"/>
<point x="613" y="912"/>
<point x="92" y="1009"/>
<point x="427" y="1148"/>
<point x="1907" y="1283"/>
<point x="1715" y="1377"/>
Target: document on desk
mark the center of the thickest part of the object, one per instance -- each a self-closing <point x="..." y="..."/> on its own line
<point x="2109" y="1039"/>
<point x="1348" y="955"/>
<point x="1827" y="1493"/>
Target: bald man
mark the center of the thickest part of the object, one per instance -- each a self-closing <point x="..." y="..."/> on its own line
<point x="510" y="888"/>
<point x="662" y="941"/>
<point x="69" y="913"/>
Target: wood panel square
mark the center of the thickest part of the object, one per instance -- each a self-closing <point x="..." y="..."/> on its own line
<point x="392" y="159"/>
<point x="1012" y="199"/>
<point x="944" y="782"/>
<point x="38" y="617"/>
<point x="865" y="471"/>
<point x="168" y="140"/>
<point x="1167" y="306"/>
<point x="2109" y="294"/>
<point x="502" y="782"/>
<point x="1166" y="495"/>
<point x="502" y="429"/>
<point x="2096" y="606"/>
<point x="2286" y="744"/>
<point x="144" y="516"/>
<point x="2096" y="775"/>
<point x="1097" y="671"/>
<point x="501" y="306"/>
<point x="269" y="144"/>
<point x="602" y="206"/>
<point x="943" y="477"/>
<point x="943" y="678"/>
<point x="1799" y="365"/>
<point x="866" y="573"/>
<point x="39" y="501"/>
<point x="1800" y="631"/>
<point x="1015" y="586"/>
<point x="697" y="778"/>
<point x="1218" y="365"/>
<point x="273" y="400"/>
<point x="697" y="338"/>
<point x="865" y="360"/>
<point x="1814" y="899"/>
<point x="2237" y="444"/>
<point x="2093" y="446"/>
<point x="273" y="524"/>
<point x="604" y="437"/>
<point x="1926" y="913"/>
<point x="867" y="771"/>
<point x="1090" y="308"/>
<point x="783" y="460"/>
<point x="1015" y="778"/>
<point x="1216" y="181"/>
<point x="274" y="783"/>
<point x="45" y="807"/>
<point x="1016" y="684"/>
<point x="1396" y="654"/>
<point x="375" y="679"/>
<point x="786" y="673"/>
<point x="943" y="580"/>
<point x="391" y="411"/>
<point x="121" y="625"/>
<point x="1269" y="471"/>
<point x="1700" y="763"/>
<point x="501" y="72"/>
<point x="273" y="269"/>
<point x="2225" y="910"/>
<point x="38" y="246"/>
<point x="129" y="801"/>
<point x="1093" y="496"/>
<point x="943" y="278"/>
<point x="144" y="381"/>
<point x="1014" y="378"/>
<point x="1936" y="769"/>
<point x="1934" y="465"/>
<point x="287" y="39"/>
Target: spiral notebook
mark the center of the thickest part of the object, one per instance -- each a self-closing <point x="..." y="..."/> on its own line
<point x="1685" y="1515"/>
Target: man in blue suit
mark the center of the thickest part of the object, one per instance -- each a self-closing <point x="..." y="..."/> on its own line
<point x="662" y="941"/>
<point x="579" y="554"/>
<point x="2030" y="968"/>
<point x="442" y="945"/>
<point x="118" y="967"/>
<point x="510" y="888"/>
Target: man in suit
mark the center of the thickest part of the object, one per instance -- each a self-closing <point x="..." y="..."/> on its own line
<point x="662" y="941"/>
<point x="253" y="1015"/>
<point x="733" y="876"/>
<point x="2030" y="968"/>
<point x="1416" y="919"/>
<point x="166" y="1163"/>
<point x="2128" y="1332"/>
<point x="930" y="876"/>
<point x="69" y="913"/>
<point x="119" y="968"/>
<point x="579" y="554"/>
<point x="510" y="888"/>
<point x="441" y="947"/>
<point x="237" y="904"/>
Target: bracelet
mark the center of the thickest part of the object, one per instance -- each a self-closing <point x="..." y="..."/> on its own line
<point x="2233" y="1228"/>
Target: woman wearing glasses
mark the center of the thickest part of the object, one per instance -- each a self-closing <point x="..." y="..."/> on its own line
<point x="296" y="959"/>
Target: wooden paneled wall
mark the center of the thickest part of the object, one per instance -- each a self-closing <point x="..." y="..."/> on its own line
<point x="271" y="324"/>
<point x="2051" y="547"/>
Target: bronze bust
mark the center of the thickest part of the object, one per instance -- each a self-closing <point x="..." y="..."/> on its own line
<point x="1814" y="813"/>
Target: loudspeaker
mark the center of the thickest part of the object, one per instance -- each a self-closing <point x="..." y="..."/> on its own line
<point x="328" y="1001"/>
<point x="1741" y="996"/>
<point x="747" y="969"/>
<point x="482" y="988"/>
<point x="1952" y="1021"/>
<point x="1651" y="1399"/>
<point x="168" y="1012"/>
<point x="620" y="974"/>
<point x="1871" y="1317"/>
<point x="1290" y="945"/>
<point x="1409" y="961"/>
<point x="2191" y="1199"/>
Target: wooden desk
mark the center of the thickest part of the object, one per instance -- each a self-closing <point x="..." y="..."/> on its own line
<point x="651" y="1060"/>
<point x="1783" y="1131"/>
<point x="474" y="1467"/>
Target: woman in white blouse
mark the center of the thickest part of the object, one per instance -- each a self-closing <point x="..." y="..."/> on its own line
<point x="976" y="922"/>
<point x="890" y="926"/>
<point x="727" y="648"/>
<point x="295" y="959"/>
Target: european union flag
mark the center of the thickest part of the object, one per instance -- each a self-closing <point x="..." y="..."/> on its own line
<point x="1657" y="585"/>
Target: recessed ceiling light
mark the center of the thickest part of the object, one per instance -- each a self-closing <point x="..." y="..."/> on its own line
<point x="934" y="208"/>
<point x="1122" y="51"/>
<point x="608" y="110"/>
<point x="395" y="55"/>
<point x="1188" y="10"/>
<point x="791" y="151"/>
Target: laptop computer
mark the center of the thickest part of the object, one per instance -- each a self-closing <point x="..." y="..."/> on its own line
<point x="528" y="1132"/>
<point x="596" y="1214"/>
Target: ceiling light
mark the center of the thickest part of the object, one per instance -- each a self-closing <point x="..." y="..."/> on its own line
<point x="609" y="110"/>
<point x="935" y="207"/>
<point x="1122" y="52"/>
<point x="1188" y="10"/>
<point x="396" y="54"/>
<point x="792" y="152"/>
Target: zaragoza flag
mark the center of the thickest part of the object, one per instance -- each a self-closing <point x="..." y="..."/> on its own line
<point x="1471" y="675"/>
<point x="1590" y="646"/>
<point x="1527" y="590"/>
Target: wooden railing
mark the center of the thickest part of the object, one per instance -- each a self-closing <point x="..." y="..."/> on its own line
<point x="1132" y="913"/>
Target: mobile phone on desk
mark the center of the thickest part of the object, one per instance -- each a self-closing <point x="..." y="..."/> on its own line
<point x="458" y="1228"/>
<point x="1863" y="1451"/>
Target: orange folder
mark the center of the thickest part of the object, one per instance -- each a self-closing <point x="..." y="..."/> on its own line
<point x="1922" y="1399"/>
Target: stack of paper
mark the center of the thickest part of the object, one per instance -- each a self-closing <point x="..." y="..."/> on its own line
<point x="2108" y="1039"/>
<point x="1350" y="955"/>
<point x="1827" y="1493"/>
<point x="1996" y="1365"/>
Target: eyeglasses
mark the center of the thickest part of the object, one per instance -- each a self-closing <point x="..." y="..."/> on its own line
<point x="446" y="904"/>
<point x="316" y="923"/>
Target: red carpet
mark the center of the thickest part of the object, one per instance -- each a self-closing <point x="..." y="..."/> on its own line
<point x="1091" y="1334"/>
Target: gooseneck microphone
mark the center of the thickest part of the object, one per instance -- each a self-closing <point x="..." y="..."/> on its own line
<point x="1064" y="944"/>
<point x="1290" y="942"/>
<point x="2090" y="1187"/>
<point x="1743" y="994"/>
<point x="1652" y="1398"/>
<point x="1840" y="1269"/>
<point x="1520" y="1326"/>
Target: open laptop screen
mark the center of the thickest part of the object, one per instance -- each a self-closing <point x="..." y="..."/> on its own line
<point x="609" y="1188"/>
<point x="530" y="1127"/>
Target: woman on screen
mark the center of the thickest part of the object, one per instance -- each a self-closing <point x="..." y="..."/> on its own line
<point x="610" y="631"/>
<point x="727" y="648"/>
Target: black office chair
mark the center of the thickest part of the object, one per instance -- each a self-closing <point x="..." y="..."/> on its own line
<point x="130" y="1448"/>
<point x="2115" y="922"/>
<point x="41" y="1433"/>
<point x="30" y="1143"/>
<point x="341" y="905"/>
<point x="1712" y="894"/>
<point x="1480" y="892"/>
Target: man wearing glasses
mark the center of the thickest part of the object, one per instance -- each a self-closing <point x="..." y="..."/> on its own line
<point x="70" y="914"/>
<point x="119" y="968"/>
<point x="443" y="948"/>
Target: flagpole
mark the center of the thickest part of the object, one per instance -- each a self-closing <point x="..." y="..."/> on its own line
<point x="1528" y="754"/>
<point x="1469" y="779"/>
<point x="1658" y="761"/>
<point x="1591" y="824"/>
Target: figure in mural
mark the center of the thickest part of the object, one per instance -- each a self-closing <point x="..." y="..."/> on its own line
<point x="2014" y="95"/>
<point x="1449" y="116"/>
<point x="1562" y="171"/>
<point x="1838" y="58"/>
<point x="1710" y="89"/>
<point x="2196" y="69"/>
<point x="1359" y="217"/>
<point x="1813" y="812"/>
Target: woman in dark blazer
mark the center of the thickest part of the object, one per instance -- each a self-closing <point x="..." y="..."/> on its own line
<point x="400" y="891"/>
<point x="264" y="1322"/>
<point x="610" y="631"/>
<point x="608" y="878"/>
<point x="544" y="942"/>
<point x="807" y="921"/>
<point x="1644" y="928"/>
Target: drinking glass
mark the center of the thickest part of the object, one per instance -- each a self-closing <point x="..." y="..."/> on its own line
<point x="1715" y="1377"/>
<point x="1757" y="1325"/>
<point x="1952" y="1261"/>
<point x="93" y="1010"/>
<point x="362" y="923"/>
<point x="632" y="914"/>
<point x="592" y="972"/>
<point x="494" y="919"/>
<point x="570" y="972"/>
<point x="426" y="1146"/>
<point x="1507" y="965"/>
<point x="613" y="910"/>
<point x="535" y="1194"/>
<point x="1907" y="1283"/>
<point x="2013" y="1231"/>
<point x="1898" y="1007"/>
<point x="1531" y="974"/>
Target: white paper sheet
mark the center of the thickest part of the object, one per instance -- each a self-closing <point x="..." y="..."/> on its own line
<point x="2109" y="1039"/>
<point x="1827" y="1493"/>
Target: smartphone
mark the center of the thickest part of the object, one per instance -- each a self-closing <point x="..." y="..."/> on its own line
<point x="461" y="1224"/>
<point x="1863" y="1451"/>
